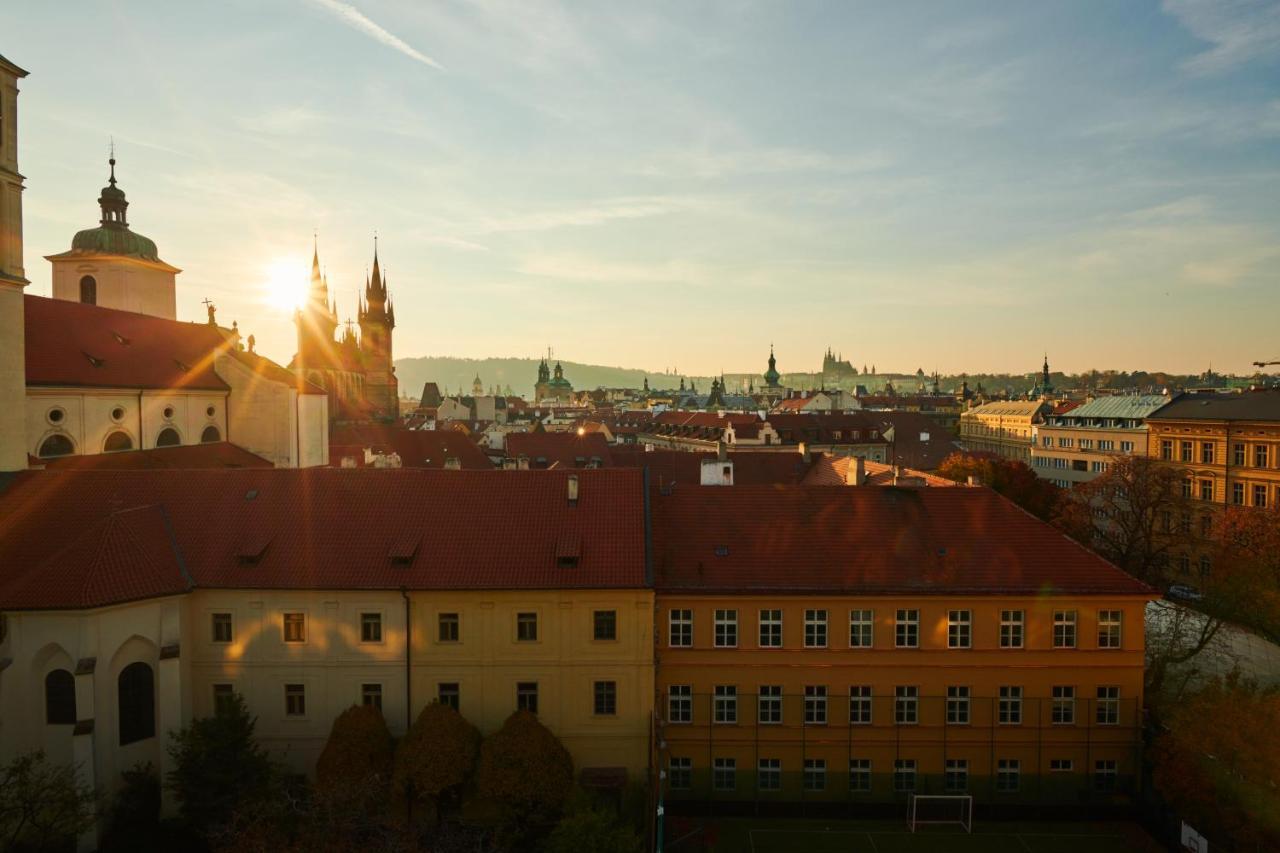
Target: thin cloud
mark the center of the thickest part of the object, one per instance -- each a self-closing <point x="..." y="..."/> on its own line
<point x="1239" y="30"/>
<point x="353" y="17"/>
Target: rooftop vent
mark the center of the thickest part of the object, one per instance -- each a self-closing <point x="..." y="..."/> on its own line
<point x="404" y="548"/>
<point x="568" y="551"/>
<point x="722" y="550"/>
<point x="94" y="360"/>
<point x="251" y="549"/>
<point x="121" y="339"/>
<point x="573" y="490"/>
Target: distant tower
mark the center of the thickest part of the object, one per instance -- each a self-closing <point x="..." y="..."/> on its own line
<point x="316" y="321"/>
<point x="13" y="371"/>
<point x="113" y="266"/>
<point x="771" y="376"/>
<point x="377" y="320"/>
<point x="477" y="387"/>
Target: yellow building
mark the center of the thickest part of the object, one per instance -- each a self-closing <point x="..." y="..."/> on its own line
<point x="1004" y="428"/>
<point x="852" y="645"/>
<point x="1077" y="445"/>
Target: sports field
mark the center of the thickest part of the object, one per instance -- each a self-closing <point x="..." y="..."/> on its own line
<point x="818" y="836"/>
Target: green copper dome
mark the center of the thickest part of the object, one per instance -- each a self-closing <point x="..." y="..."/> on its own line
<point x="115" y="240"/>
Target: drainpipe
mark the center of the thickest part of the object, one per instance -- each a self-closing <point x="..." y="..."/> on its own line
<point x="408" y="663"/>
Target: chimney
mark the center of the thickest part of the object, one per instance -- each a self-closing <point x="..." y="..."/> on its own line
<point x="856" y="475"/>
<point x="573" y="490"/>
<point x="804" y="452"/>
<point x="974" y="481"/>
<point x="722" y="452"/>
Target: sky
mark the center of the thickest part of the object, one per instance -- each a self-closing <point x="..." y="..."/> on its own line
<point x="952" y="186"/>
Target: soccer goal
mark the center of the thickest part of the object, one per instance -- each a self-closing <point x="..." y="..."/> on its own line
<point x="924" y="809"/>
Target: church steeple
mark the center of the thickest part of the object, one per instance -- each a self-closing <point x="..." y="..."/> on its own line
<point x="112" y="200"/>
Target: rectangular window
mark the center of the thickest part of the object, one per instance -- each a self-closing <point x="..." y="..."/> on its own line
<point x="861" y="629"/>
<point x="1008" y="771"/>
<point x="860" y="774"/>
<point x="371" y="694"/>
<point x="726" y="628"/>
<point x="860" y="705"/>
<point x="527" y="627"/>
<point x="725" y="704"/>
<point x="1105" y="774"/>
<point x="959" y="629"/>
<point x="680" y="624"/>
<point x="222" y="631"/>
<point x="1012" y="623"/>
<point x="724" y="774"/>
<point x="1206" y="490"/>
<point x="1206" y="452"/>
<point x="604" y="625"/>
<point x="1010" y="706"/>
<point x="815" y="774"/>
<point x="955" y="777"/>
<point x="1259" y="495"/>
<point x="1259" y="456"/>
<point x="769" y="701"/>
<point x="1108" y="706"/>
<point x="680" y="773"/>
<point x="769" y="774"/>
<point x="1060" y="765"/>
<point x="1186" y="487"/>
<point x="371" y="627"/>
<point x="815" y="705"/>
<point x="1126" y="446"/>
<point x="224" y="696"/>
<point x="815" y="629"/>
<point x="770" y="629"/>
<point x="1064" y="629"/>
<point x="295" y="700"/>
<point x="606" y="698"/>
<point x="449" y="627"/>
<point x="957" y="706"/>
<point x="1166" y="450"/>
<point x="1185" y="449"/>
<point x="906" y="629"/>
<point x="904" y="774"/>
<point x="1064" y="706"/>
<point x="1237" y="494"/>
<point x="527" y="696"/>
<point x="295" y="627"/>
<point x="680" y="703"/>
<point x="906" y="701"/>
<point x="1109" y="629"/>
<point x="1237" y="454"/>
<point x="448" y="693"/>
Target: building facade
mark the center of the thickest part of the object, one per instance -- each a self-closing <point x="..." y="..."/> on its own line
<point x="1004" y="428"/>
<point x="1076" y="446"/>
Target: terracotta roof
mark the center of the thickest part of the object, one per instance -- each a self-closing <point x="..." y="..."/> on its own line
<point x="909" y="447"/>
<point x="867" y="541"/>
<point x="562" y="449"/>
<point x="89" y="538"/>
<point x="685" y="467"/>
<point x="854" y="428"/>
<point x="218" y="454"/>
<point x="423" y="448"/>
<point x="69" y="343"/>
<point x="834" y="471"/>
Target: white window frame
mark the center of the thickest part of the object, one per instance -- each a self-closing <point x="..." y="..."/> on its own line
<point x="1009" y="707"/>
<point x="959" y="629"/>
<point x="906" y="628"/>
<point x="680" y="626"/>
<point x="1065" y="635"/>
<point x="1107" y="705"/>
<point x="957" y="711"/>
<point x="815" y="628"/>
<point x="724" y="705"/>
<point x="680" y="704"/>
<point x="862" y="625"/>
<point x="726" y="628"/>
<point x="815" y="704"/>
<point x="1110" y="629"/>
<point x="1062" y="710"/>
<point x="860" y="698"/>
<point x="1013" y="629"/>
<point x="906" y="704"/>
<point x="772" y="621"/>
<point x="769" y="699"/>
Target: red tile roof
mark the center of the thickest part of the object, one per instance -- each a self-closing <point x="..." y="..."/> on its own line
<point x="834" y="471"/>
<point x="854" y="428"/>
<point x="68" y="343"/>
<point x="219" y="454"/>
<point x="562" y="449"/>
<point x="90" y="538"/>
<point x="879" y="541"/>
<point x="908" y="447"/>
<point x="685" y="467"/>
<point x="417" y="448"/>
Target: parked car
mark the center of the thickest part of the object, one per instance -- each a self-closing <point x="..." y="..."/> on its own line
<point x="1184" y="592"/>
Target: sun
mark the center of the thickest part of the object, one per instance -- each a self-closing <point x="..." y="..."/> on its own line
<point x="285" y="283"/>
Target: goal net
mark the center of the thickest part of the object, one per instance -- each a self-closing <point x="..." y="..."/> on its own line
<point x="926" y="809"/>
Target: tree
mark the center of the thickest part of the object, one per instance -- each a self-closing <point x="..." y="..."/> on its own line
<point x="1128" y="514"/>
<point x="525" y="768"/>
<point x="1248" y="557"/>
<point x="437" y="756"/>
<point x="43" y="806"/>
<point x="1008" y="477"/>
<point x="218" y="766"/>
<point x="1218" y="762"/>
<point x="354" y="769"/>
<point x="591" y="831"/>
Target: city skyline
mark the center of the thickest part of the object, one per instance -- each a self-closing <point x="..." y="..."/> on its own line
<point x="915" y="187"/>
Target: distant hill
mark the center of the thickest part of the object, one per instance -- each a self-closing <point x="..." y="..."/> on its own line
<point x="521" y="374"/>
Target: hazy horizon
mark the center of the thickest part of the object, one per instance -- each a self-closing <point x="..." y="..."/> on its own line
<point x="680" y="185"/>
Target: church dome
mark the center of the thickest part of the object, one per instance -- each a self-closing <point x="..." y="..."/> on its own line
<point x="109" y="240"/>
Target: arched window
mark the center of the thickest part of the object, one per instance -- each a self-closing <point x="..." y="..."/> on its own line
<point x="60" y="698"/>
<point x="168" y="437"/>
<point x="210" y="435"/>
<point x="56" y="445"/>
<point x="89" y="290"/>
<point x="116" y="442"/>
<point x="137" y="689"/>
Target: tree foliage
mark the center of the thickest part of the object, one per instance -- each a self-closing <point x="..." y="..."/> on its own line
<point x="524" y="767"/>
<point x="43" y="806"/>
<point x="354" y="769"/>
<point x="437" y="756"/>
<point x="218" y="766"/>
<point x="1008" y="477"/>
<point x="1218" y="762"/>
<point x="591" y="831"/>
<point x="1248" y="558"/>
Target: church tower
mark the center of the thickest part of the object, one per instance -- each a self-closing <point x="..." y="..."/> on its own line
<point x="316" y="321"/>
<point x="377" y="319"/>
<point x="13" y="371"/>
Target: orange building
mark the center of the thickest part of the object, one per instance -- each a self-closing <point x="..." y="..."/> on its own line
<point x="853" y="645"/>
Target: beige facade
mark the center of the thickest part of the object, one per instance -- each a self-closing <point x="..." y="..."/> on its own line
<point x="90" y="417"/>
<point x="1004" y="428"/>
<point x="13" y="378"/>
<point x="121" y="282"/>
<point x="1078" y="445"/>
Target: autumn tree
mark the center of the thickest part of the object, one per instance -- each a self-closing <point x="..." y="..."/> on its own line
<point x="354" y="769"/>
<point x="43" y="806"/>
<point x="525" y="769"/>
<point x="1218" y="762"/>
<point x="437" y="756"/>
<point x="1248" y="558"/>
<point x="1008" y="477"/>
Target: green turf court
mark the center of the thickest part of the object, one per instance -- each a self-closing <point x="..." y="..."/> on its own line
<point x="819" y="836"/>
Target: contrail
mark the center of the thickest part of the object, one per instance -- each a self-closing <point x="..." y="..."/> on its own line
<point x="353" y="16"/>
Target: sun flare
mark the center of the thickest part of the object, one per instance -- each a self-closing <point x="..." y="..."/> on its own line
<point x="285" y="283"/>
